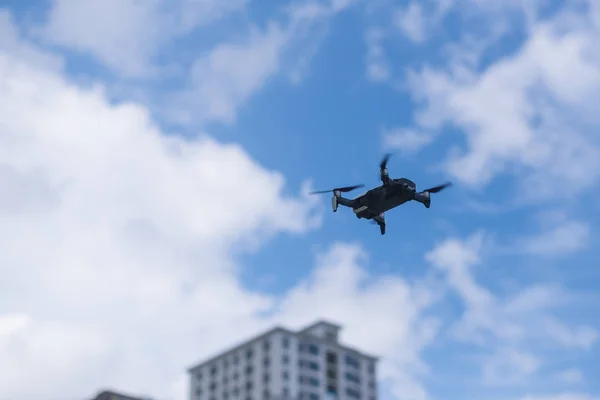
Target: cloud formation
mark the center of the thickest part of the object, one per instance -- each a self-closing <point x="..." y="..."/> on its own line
<point x="513" y="331"/>
<point x="529" y="113"/>
<point x="112" y="228"/>
<point x="127" y="35"/>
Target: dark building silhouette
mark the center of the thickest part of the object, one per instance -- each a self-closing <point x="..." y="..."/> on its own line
<point x="110" y="395"/>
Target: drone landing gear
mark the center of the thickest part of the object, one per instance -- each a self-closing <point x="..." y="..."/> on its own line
<point x="380" y="220"/>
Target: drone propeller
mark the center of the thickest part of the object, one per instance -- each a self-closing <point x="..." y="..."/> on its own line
<point x="384" y="161"/>
<point x="438" y="188"/>
<point x="341" y="189"/>
<point x="383" y="172"/>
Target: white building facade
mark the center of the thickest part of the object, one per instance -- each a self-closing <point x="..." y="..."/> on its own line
<point x="280" y="364"/>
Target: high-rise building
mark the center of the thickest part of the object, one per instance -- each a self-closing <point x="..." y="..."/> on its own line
<point x="310" y="364"/>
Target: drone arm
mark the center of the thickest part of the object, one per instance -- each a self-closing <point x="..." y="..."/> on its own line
<point x="385" y="178"/>
<point x="345" y="202"/>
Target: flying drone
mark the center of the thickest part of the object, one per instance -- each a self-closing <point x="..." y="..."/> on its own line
<point x="373" y="204"/>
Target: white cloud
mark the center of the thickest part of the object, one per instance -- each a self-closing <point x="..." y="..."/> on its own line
<point x="11" y="43"/>
<point x="231" y="73"/>
<point x="341" y="5"/>
<point x="509" y="367"/>
<point x="527" y="114"/>
<point x="127" y="34"/>
<point x="571" y="376"/>
<point x="228" y="76"/>
<point x="419" y="20"/>
<point x="411" y="21"/>
<point x="54" y="354"/>
<point x="514" y="330"/>
<point x="408" y="140"/>
<point x="116" y="238"/>
<point x="378" y="69"/>
<point x="12" y="323"/>
<point x="565" y="238"/>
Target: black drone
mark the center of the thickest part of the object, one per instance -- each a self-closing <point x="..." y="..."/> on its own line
<point x="393" y="192"/>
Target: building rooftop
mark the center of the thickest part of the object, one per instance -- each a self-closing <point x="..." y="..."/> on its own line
<point x="321" y="323"/>
<point x="302" y="332"/>
<point x="112" y="395"/>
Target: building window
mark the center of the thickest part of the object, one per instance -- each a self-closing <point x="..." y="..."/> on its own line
<point x="353" y="393"/>
<point x="313" y="365"/>
<point x="266" y="345"/>
<point x="285" y="342"/>
<point x="249" y="369"/>
<point x="236" y="359"/>
<point x="313" y="349"/>
<point x="352" y="361"/>
<point x="249" y="354"/>
<point x="213" y="370"/>
<point x="266" y="362"/>
<point x="332" y="358"/>
<point x="313" y="381"/>
<point x="371" y="368"/>
<point x="285" y="375"/>
<point x="313" y="396"/>
<point x="352" y="378"/>
<point x="266" y="378"/>
<point x="286" y="391"/>
<point x="285" y="359"/>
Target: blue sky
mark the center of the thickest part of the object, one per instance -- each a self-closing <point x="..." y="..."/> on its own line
<point x="157" y="158"/>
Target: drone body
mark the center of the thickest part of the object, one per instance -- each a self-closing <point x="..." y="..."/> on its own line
<point x="392" y="193"/>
